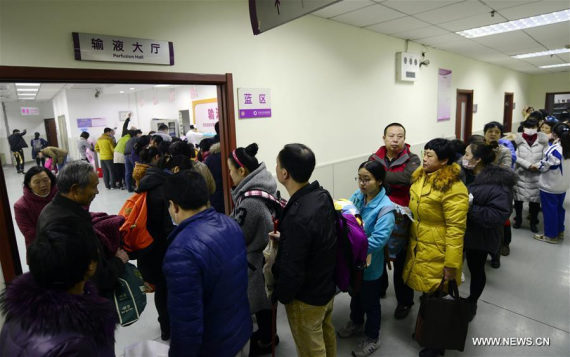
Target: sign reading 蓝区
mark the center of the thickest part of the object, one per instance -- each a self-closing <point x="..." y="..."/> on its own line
<point x="254" y="103"/>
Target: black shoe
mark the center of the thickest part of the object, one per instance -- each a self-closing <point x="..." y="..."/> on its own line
<point x="165" y="336"/>
<point x="258" y="348"/>
<point x="496" y="262"/>
<point x="472" y="311"/>
<point x="517" y="224"/>
<point x="533" y="228"/>
<point x="505" y="250"/>
<point x="432" y="352"/>
<point x="402" y="311"/>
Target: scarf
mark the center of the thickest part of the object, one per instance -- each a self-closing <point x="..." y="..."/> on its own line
<point x="530" y="139"/>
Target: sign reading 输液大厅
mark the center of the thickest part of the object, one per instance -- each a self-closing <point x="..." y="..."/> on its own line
<point x="92" y="47"/>
<point x="254" y="103"/>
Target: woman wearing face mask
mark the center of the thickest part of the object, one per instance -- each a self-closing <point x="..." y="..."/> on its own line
<point x="39" y="189"/>
<point x="439" y="203"/>
<point x="531" y="146"/>
<point x="490" y="196"/>
<point x="254" y="215"/>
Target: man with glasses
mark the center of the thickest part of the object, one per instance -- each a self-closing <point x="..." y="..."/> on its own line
<point x="400" y="163"/>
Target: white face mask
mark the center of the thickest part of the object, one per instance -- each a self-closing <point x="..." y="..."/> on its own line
<point x="530" y="132"/>
<point x="467" y="165"/>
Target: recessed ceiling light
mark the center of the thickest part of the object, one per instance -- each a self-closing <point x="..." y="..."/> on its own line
<point x="543" y="53"/>
<point x="131" y="88"/>
<point x="520" y="24"/>
<point x="122" y="91"/>
<point x="27" y="89"/>
<point x="556" y="65"/>
<point x="28" y="84"/>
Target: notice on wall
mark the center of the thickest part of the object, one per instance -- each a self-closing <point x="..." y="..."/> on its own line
<point x="93" y="47"/>
<point x="444" y="95"/>
<point x="91" y="122"/>
<point x="254" y="103"/>
<point x="205" y="114"/>
<point x="29" y="111"/>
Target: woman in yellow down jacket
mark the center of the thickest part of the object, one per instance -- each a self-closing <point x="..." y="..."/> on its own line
<point x="439" y="202"/>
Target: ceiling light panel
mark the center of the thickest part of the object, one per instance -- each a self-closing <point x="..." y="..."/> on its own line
<point x="556" y="65"/>
<point x="28" y="84"/>
<point x="27" y="90"/>
<point x="542" y="53"/>
<point x="520" y="24"/>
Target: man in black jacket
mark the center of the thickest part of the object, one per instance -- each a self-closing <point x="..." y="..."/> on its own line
<point x="17" y="143"/>
<point x="305" y="263"/>
<point x="77" y="185"/>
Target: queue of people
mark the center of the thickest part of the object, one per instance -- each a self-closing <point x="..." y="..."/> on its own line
<point x="208" y="268"/>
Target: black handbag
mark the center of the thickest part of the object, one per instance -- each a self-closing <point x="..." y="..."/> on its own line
<point x="443" y="319"/>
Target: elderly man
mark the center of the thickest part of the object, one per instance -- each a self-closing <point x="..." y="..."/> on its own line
<point x="77" y="185"/>
<point x="400" y="164"/>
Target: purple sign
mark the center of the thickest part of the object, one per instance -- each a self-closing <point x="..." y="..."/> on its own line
<point x="83" y="123"/>
<point x="254" y="113"/>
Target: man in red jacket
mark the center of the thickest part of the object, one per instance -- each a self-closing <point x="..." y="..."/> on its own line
<point x="400" y="164"/>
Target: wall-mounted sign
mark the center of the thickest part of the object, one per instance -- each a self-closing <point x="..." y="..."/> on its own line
<point x="254" y="103"/>
<point x="29" y="111"/>
<point x="205" y="114"/>
<point x="444" y="94"/>
<point x="92" y="47"/>
<point x="91" y="122"/>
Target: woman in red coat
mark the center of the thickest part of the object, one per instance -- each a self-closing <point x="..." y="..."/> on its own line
<point x="39" y="189"/>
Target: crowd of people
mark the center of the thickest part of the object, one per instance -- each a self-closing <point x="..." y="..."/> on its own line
<point x="207" y="268"/>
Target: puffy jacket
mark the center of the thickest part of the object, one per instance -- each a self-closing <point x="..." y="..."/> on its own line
<point x="122" y="143"/>
<point x="105" y="146"/>
<point x="439" y="203"/>
<point x="27" y="209"/>
<point x="206" y="275"/>
<point x="68" y="325"/>
<point x="56" y="154"/>
<point x="398" y="173"/>
<point x="527" y="188"/>
<point x="306" y="258"/>
<point x="503" y="155"/>
<point x="555" y="177"/>
<point x="378" y="230"/>
<point x="492" y="192"/>
<point x="253" y="214"/>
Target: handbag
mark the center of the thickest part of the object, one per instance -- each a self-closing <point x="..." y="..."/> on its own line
<point x="443" y="319"/>
<point x="129" y="296"/>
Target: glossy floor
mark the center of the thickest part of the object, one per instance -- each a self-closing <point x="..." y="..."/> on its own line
<point x="528" y="297"/>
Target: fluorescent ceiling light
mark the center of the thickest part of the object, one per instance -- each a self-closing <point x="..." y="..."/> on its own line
<point x="28" y="84"/>
<point x="122" y="91"/>
<point x="543" y="53"/>
<point x="161" y="85"/>
<point x="520" y="24"/>
<point x="131" y="88"/>
<point x="556" y="65"/>
<point x="27" y="90"/>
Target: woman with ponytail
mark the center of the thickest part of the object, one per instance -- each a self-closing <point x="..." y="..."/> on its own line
<point x="254" y="215"/>
<point x="490" y="189"/>
<point x="554" y="182"/>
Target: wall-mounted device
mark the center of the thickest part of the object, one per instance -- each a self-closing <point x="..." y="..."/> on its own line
<point x="407" y="66"/>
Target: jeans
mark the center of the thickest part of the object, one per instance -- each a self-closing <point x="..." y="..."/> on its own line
<point x="367" y="301"/>
<point x="108" y="173"/>
<point x="553" y="213"/>
<point x="129" y="166"/>
<point x="312" y="328"/>
<point x="404" y="294"/>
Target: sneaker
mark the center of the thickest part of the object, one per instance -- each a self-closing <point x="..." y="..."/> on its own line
<point x="402" y="311"/>
<point x="546" y="239"/>
<point x="561" y="235"/>
<point x="366" y="346"/>
<point x="350" y="329"/>
<point x="505" y="250"/>
<point x="495" y="263"/>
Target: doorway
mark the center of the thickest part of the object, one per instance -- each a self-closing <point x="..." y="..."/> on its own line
<point x="9" y="256"/>
<point x="464" y="114"/>
<point x="51" y="132"/>
<point x="508" y="111"/>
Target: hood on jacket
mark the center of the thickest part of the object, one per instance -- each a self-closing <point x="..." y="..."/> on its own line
<point x="496" y="175"/>
<point x="153" y="177"/>
<point x="49" y="311"/>
<point x="259" y="179"/>
<point x="216" y="148"/>
<point x="443" y="178"/>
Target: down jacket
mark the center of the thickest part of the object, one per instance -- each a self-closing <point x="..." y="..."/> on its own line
<point x="27" y="210"/>
<point x="439" y="203"/>
<point x="492" y="193"/>
<point x="206" y="275"/>
<point x="527" y="188"/>
<point x="68" y="325"/>
<point x="253" y="214"/>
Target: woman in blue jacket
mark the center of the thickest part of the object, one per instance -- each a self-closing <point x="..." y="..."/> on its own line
<point x="376" y="210"/>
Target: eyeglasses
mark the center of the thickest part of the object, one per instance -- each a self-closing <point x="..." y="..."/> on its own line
<point x="362" y="181"/>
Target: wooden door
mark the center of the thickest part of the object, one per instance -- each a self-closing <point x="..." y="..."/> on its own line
<point x="464" y="114"/>
<point x="508" y="112"/>
<point x="51" y="132"/>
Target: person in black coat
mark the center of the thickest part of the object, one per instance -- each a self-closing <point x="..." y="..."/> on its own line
<point x="490" y="204"/>
<point x="17" y="143"/>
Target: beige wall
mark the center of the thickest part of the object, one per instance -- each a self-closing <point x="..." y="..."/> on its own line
<point x="547" y="83"/>
<point x="333" y="86"/>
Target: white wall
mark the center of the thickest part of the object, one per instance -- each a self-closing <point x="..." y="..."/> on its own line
<point x="547" y="83"/>
<point x="333" y="86"/>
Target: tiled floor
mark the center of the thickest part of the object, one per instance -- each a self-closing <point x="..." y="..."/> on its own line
<point x="528" y="297"/>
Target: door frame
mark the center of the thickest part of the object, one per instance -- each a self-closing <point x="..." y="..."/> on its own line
<point x="51" y="137"/>
<point x="508" y="114"/>
<point x="9" y="257"/>
<point x="467" y="130"/>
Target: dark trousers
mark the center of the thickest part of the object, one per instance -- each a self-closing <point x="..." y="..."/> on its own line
<point x="264" y="322"/>
<point x="129" y="166"/>
<point x="161" y="303"/>
<point x="533" y="208"/>
<point x="150" y="267"/>
<point x="367" y="301"/>
<point x="553" y="213"/>
<point x="19" y="158"/>
<point x="404" y="294"/>
<point x="108" y="173"/>
<point x="119" y="174"/>
<point x="476" y="260"/>
<point x="507" y="235"/>
<point x="41" y="162"/>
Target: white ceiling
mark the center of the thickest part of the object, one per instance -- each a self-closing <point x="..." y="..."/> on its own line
<point x="434" y="23"/>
